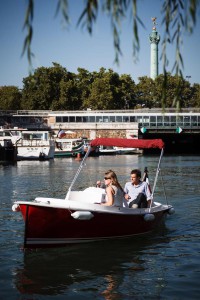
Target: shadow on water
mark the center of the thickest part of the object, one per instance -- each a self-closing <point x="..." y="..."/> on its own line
<point x="55" y="271"/>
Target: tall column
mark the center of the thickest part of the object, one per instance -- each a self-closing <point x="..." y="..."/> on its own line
<point x="154" y="39"/>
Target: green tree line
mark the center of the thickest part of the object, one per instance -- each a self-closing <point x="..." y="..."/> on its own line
<point x="55" y="88"/>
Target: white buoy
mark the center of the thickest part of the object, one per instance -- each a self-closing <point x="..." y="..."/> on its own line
<point x="82" y="215"/>
<point x="15" y="207"/>
<point x="171" y="211"/>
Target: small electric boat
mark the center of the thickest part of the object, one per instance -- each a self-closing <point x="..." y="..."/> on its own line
<point x="81" y="218"/>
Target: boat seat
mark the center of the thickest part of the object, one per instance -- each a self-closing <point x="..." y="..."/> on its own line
<point x="89" y="195"/>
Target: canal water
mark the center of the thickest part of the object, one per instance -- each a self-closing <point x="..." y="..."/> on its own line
<point x="161" y="265"/>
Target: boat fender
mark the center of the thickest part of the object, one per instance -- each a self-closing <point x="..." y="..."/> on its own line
<point x="82" y="215"/>
<point x="149" y="217"/>
<point x="171" y="211"/>
<point x="15" y="207"/>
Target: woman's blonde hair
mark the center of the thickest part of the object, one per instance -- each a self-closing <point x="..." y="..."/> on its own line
<point x="112" y="175"/>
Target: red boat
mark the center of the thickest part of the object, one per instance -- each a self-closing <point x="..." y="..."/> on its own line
<point x="80" y="218"/>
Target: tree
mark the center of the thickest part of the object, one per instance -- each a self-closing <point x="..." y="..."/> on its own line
<point x="10" y="98"/>
<point x="84" y="80"/>
<point x="128" y="91"/>
<point x="108" y="91"/>
<point x="195" y="101"/>
<point x="145" y="93"/>
<point x="100" y="95"/>
<point x="43" y="87"/>
<point x="69" y="97"/>
<point x="178" y="90"/>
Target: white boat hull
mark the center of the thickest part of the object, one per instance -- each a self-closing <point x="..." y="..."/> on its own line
<point x="35" y="153"/>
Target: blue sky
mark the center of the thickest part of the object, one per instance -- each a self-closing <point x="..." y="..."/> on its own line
<point x="73" y="47"/>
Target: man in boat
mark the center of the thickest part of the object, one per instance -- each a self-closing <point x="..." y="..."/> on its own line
<point x="137" y="192"/>
<point x="100" y="184"/>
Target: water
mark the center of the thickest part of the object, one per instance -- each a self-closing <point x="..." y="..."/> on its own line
<point x="162" y="265"/>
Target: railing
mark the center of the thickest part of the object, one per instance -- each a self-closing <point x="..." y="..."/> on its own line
<point x="143" y="110"/>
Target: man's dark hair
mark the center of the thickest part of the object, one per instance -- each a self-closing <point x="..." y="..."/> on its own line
<point x="137" y="172"/>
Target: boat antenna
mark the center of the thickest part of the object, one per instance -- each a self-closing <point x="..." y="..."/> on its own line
<point x="77" y="173"/>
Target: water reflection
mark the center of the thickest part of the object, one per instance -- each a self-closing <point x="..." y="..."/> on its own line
<point x="103" y="268"/>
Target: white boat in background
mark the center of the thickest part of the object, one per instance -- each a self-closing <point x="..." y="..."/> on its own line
<point x="68" y="147"/>
<point x="122" y="150"/>
<point x="37" y="145"/>
<point x="112" y="150"/>
<point x="107" y="150"/>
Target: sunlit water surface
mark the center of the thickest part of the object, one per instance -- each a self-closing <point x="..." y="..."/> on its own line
<point x="161" y="265"/>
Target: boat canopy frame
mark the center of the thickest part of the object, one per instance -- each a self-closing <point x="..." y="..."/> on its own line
<point x="126" y="143"/>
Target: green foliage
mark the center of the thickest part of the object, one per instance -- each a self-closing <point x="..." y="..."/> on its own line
<point x="10" y="98"/>
<point x="43" y="87"/>
<point x="55" y="88"/>
<point x="195" y="100"/>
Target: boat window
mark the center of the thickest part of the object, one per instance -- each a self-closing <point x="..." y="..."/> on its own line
<point x="59" y="119"/>
<point x="84" y="119"/>
<point x="27" y="136"/>
<point x="5" y="133"/>
<point x="16" y="133"/>
<point x="30" y="136"/>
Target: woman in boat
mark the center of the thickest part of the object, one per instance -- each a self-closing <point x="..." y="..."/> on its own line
<point x="114" y="191"/>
